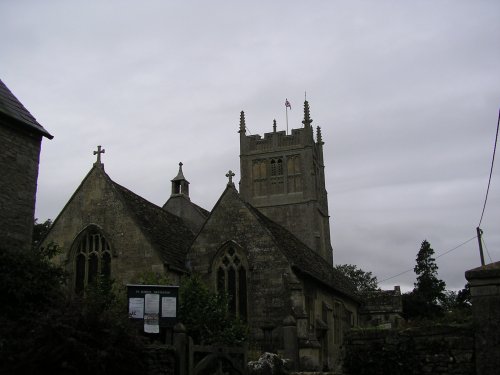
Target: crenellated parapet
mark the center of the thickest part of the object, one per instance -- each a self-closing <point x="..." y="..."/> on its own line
<point x="278" y="140"/>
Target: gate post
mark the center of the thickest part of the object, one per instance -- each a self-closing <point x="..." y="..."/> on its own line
<point x="484" y="284"/>
<point x="180" y="345"/>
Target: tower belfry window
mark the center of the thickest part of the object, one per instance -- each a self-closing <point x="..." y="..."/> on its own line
<point x="277" y="178"/>
<point x="92" y="258"/>
<point x="259" y="175"/>
<point x="277" y="167"/>
<point x="231" y="278"/>
<point x="294" y="174"/>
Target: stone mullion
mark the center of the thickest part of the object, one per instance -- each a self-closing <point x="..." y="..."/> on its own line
<point x="236" y="289"/>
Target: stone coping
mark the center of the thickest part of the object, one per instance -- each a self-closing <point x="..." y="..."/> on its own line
<point x="487" y="271"/>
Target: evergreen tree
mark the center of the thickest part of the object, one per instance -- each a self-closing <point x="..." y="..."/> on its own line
<point x="428" y="284"/>
<point x="426" y="299"/>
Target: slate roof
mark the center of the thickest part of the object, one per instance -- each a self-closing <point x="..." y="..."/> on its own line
<point x="167" y="232"/>
<point x="201" y="209"/>
<point x="13" y="108"/>
<point x="304" y="259"/>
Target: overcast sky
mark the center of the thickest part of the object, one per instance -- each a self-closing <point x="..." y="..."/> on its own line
<point x="407" y="94"/>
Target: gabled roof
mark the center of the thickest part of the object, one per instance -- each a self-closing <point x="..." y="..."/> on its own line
<point x="301" y="257"/>
<point x="201" y="209"/>
<point x="304" y="259"/>
<point x="203" y="212"/>
<point x="13" y="108"/>
<point x="167" y="232"/>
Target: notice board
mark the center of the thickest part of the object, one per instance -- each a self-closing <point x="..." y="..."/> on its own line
<point x="156" y="305"/>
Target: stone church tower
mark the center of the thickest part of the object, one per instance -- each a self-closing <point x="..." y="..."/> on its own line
<point x="283" y="176"/>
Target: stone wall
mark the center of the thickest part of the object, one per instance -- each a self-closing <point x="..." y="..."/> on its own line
<point x="438" y="350"/>
<point x="19" y="159"/>
<point x="485" y="297"/>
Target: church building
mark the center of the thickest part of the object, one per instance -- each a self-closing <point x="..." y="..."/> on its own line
<point x="266" y="243"/>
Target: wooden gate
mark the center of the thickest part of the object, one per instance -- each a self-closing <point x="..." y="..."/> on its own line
<point x="215" y="360"/>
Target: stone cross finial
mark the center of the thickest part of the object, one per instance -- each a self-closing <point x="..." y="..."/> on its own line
<point x="230" y="175"/>
<point x="98" y="153"/>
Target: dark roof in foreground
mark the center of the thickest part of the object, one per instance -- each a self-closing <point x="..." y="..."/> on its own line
<point x="167" y="232"/>
<point x="304" y="259"/>
<point x="11" y="107"/>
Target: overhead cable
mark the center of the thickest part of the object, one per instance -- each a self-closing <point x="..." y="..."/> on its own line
<point x="439" y="256"/>
<point x="491" y="170"/>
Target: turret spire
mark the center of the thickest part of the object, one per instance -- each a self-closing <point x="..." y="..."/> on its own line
<point x="307" y="118"/>
<point x="319" y="137"/>
<point x="274" y="125"/>
<point x="242" y="123"/>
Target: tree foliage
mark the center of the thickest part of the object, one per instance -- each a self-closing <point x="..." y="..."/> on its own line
<point x="40" y="230"/>
<point x="427" y="298"/>
<point x="152" y="278"/>
<point x="206" y="315"/>
<point x="45" y="331"/>
<point x="362" y="281"/>
<point x="426" y="268"/>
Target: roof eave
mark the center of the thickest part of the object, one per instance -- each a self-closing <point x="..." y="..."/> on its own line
<point x="36" y="128"/>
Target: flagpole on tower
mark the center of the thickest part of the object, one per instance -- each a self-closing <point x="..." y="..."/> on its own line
<point x="287" y="105"/>
<point x="286" y="110"/>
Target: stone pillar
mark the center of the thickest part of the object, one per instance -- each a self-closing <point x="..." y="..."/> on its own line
<point x="309" y="354"/>
<point x="290" y="343"/>
<point x="180" y="345"/>
<point x="484" y="284"/>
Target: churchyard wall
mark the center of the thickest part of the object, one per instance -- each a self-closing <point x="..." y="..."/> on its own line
<point x="436" y="350"/>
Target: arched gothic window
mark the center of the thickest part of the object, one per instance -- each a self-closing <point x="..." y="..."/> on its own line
<point x="231" y="277"/>
<point x="92" y="258"/>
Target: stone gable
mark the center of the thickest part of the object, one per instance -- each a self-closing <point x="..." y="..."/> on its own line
<point x="232" y="221"/>
<point x="101" y="203"/>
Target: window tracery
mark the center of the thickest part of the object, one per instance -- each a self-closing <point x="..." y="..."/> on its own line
<point x="92" y="258"/>
<point x="277" y="177"/>
<point x="231" y="277"/>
